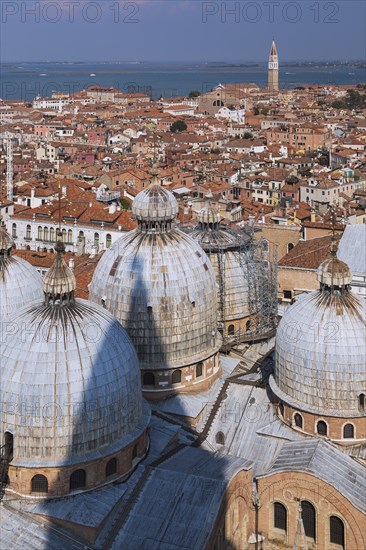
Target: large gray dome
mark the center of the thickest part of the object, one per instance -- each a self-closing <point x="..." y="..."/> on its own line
<point x="70" y="385"/>
<point x="320" y="354"/>
<point x="20" y="282"/>
<point x="162" y="288"/>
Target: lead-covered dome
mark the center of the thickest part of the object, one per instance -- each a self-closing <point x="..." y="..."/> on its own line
<point x="20" y="282"/>
<point x="320" y="348"/>
<point x="162" y="289"/>
<point x="70" y="383"/>
<point x="159" y="283"/>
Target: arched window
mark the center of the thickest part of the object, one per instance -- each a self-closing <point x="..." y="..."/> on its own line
<point x="148" y="379"/>
<point x="69" y="236"/>
<point x="39" y="484"/>
<point x="218" y="103"/>
<point x="308" y="518"/>
<point x="134" y="452"/>
<point x="247" y="326"/>
<point x="14" y="230"/>
<point x="290" y="247"/>
<point x="28" y="232"/>
<point x="231" y="330"/>
<point x="348" y="431"/>
<point x="321" y="428"/>
<point x="77" y="480"/>
<point x="45" y="234"/>
<point x="298" y="420"/>
<point x="220" y="438"/>
<point x="111" y="467"/>
<point x="336" y="529"/>
<point x="199" y="369"/>
<point x="40" y="233"/>
<point x="361" y="402"/>
<point x="280" y="516"/>
<point x="52" y="234"/>
<point x="64" y="235"/>
<point x="176" y="377"/>
<point x="108" y="240"/>
<point x="281" y="408"/>
<point x="96" y="239"/>
<point x="9" y="446"/>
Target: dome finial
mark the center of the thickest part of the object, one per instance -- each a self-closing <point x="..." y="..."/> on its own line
<point x="59" y="282"/>
<point x="6" y="242"/>
<point x="333" y="274"/>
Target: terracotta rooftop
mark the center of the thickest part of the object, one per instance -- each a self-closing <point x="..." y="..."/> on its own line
<point x="308" y="254"/>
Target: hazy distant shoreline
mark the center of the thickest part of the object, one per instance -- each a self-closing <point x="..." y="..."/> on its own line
<point x="29" y="80"/>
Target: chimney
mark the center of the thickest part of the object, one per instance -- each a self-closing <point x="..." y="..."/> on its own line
<point x="112" y="208"/>
<point x="93" y="251"/>
<point x="312" y="216"/>
<point x="72" y="264"/>
<point x="80" y="247"/>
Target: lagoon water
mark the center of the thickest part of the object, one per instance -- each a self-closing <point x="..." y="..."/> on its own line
<point x="28" y="80"/>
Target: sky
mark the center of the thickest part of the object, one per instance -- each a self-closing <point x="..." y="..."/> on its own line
<point x="181" y="30"/>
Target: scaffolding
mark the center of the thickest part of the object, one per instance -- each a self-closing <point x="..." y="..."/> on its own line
<point x="259" y="269"/>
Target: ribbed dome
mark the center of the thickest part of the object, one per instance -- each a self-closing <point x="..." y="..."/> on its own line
<point x="162" y="288"/>
<point x="320" y="354"/>
<point x="155" y="204"/>
<point x="70" y="385"/>
<point x="20" y="282"/>
<point x="232" y="273"/>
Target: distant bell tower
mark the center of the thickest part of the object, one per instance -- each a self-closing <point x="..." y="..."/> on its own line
<point x="273" y="69"/>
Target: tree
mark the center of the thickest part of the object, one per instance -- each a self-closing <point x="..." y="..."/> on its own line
<point x="264" y="111"/>
<point x="178" y="126"/>
<point x="194" y="93"/>
<point x="255" y="110"/>
<point x="247" y="135"/>
<point x="125" y="204"/>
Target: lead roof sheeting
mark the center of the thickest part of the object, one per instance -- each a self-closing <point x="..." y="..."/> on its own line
<point x="189" y="495"/>
<point x="18" y="532"/>
<point x="246" y="410"/>
<point x="352" y="248"/>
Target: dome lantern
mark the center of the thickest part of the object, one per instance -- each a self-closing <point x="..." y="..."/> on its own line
<point x="155" y="208"/>
<point x="59" y="282"/>
<point x="209" y="217"/>
<point x="333" y="274"/>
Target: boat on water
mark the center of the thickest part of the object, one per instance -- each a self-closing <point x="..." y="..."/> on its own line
<point x="92" y="74"/>
<point x="43" y="74"/>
